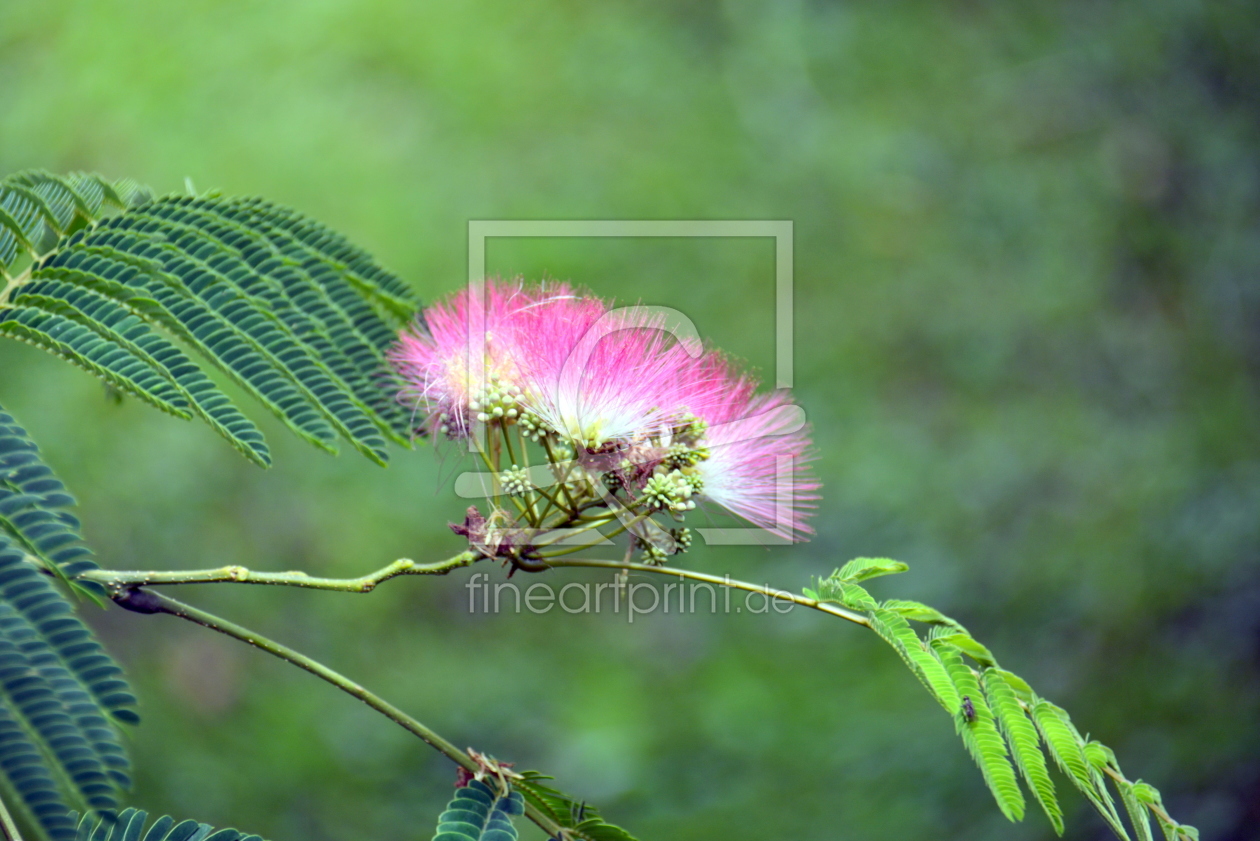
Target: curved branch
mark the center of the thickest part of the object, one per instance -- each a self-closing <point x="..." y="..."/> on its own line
<point x="724" y="581"/>
<point x="117" y="580"/>
<point x="145" y="601"/>
<point x="7" y="827"/>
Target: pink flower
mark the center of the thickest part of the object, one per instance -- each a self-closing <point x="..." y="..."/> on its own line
<point x="758" y="454"/>
<point x="648" y="405"/>
<point x="601" y="376"/>
<point x="463" y="355"/>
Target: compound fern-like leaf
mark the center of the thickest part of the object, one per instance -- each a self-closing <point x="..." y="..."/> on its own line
<point x="988" y="703"/>
<point x="1068" y="749"/>
<point x="87" y="349"/>
<point x="975" y="724"/>
<point x="1025" y="745"/>
<point x="58" y="687"/>
<point x="129" y="826"/>
<point x="896" y="631"/>
<point x="581" y="820"/>
<point x="292" y="312"/>
<point x="480" y="812"/>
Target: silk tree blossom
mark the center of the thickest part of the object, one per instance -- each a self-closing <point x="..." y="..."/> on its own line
<point x="757" y="466"/>
<point x="746" y="452"/>
<point x="463" y="357"/>
<point x="638" y="420"/>
<point x="603" y="377"/>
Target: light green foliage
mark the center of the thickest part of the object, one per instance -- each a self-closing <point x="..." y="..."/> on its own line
<point x="988" y="703"/>
<point x="480" y="811"/>
<point x="289" y="310"/>
<point x="1149" y="796"/>
<point x="842" y="585"/>
<point x="129" y="825"/>
<point x="860" y="569"/>
<point x="1139" y="817"/>
<point x="975" y="724"/>
<point x="923" y="661"/>
<point x="920" y="612"/>
<point x="1065" y="744"/>
<point x="58" y="687"/>
<point x="1025" y="745"/>
<point x="581" y="820"/>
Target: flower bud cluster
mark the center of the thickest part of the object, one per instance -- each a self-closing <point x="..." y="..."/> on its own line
<point x="515" y="482"/>
<point x="498" y="400"/>
<point x="669" y="491"/>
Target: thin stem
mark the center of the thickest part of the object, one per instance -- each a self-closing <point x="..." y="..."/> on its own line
<point x="625" y="526"/>
<point x="593" y="524"/>
<point x="7" y="825"/>
<point x="13" y="282"/>
<point x="551" y="503"/>
<point x="493" y="467"/>
<point x="1155" y="809"/>
<point x="825" y="607"/>
<point x="531" y="498"/>
<point x="568" y="468"/>
<point x="145" y="601"/>
<point x="507" y="443"/>
<point x="118" y="579"/>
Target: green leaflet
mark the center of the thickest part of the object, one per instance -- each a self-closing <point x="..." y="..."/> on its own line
<point x="1105" y="766"/>
<point x="129" y="825"/>
<point x="1020" y="686"/>
<point x="85" y="348"/>
<point x="994" y="709"/>
<point x="850" y="595"/>
<point x="1024" y="743"/>
<point x="36" y="205"/>
<point x="582" y="820"/>
<point x="256" y="264"/>
<point x="34" y="505"/>
<point x="1139" y="818"/>
<point x="480" y="812"/>
<point x="58" y="687"/>
<point x="980" y="734"/>
<point x="970" y="647"/>
<point x="1068" y="749"/>
<point x="124" y="327"/>
<point x="219" y="277"/>
<point x="1149" y="796"/>
<point x="358" y="267"/>
<point x="896" y="631"/>
<point x="860" y="569"/>
<point x="289" y="310"/>
<point x="920" y="612"/>
<point x="212" y="335"/>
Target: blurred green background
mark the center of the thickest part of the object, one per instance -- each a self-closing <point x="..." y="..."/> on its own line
<point x="1027" y="335"/>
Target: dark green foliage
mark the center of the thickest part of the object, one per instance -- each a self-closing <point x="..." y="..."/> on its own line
<point x="480" y="812"/>
<point x="38" y="207"/>
<point x="1002" y="722"/>
<point x="581" y="820"/>
<point x="58" y="687"/>
<point x="129" y="826"/>
<point x="289" y="310"/>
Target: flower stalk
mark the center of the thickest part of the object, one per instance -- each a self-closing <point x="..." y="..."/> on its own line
<point x="146" y="601"/>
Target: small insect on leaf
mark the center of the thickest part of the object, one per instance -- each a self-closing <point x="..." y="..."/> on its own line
<point x="968" y="709"/>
